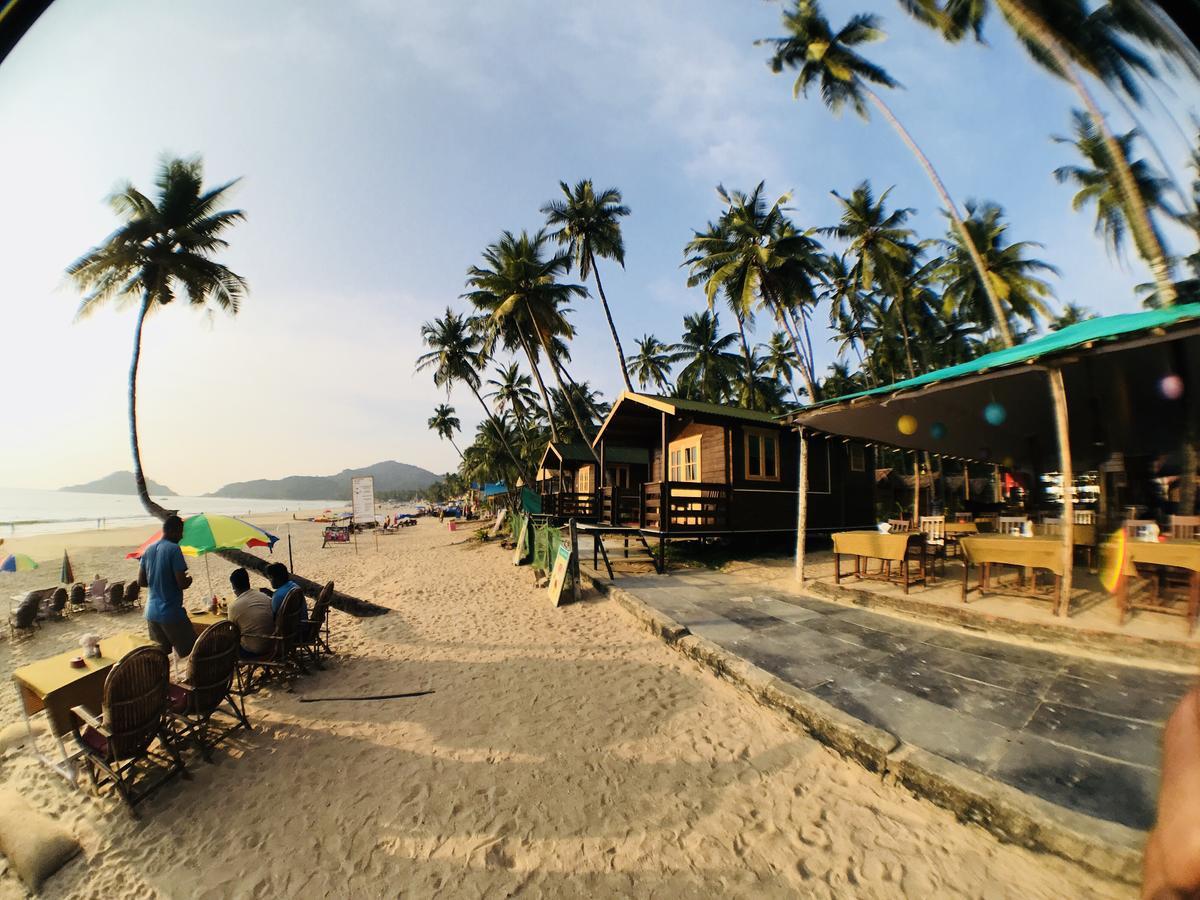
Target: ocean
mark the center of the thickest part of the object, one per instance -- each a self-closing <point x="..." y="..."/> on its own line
<point x="24" y="511"/>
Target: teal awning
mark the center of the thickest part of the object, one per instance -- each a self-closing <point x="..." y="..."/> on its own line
<point x="1132" y="381"/>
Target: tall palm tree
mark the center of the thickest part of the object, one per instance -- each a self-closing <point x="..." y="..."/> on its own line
<point x="711" y="367"/>
<point x="757" y="258"/>
<point x="1071" y="314"/>
<point x="1014" y="275"/>
<point x="829" y="58"/>
<point x="588" y="224"/>
<point x="444" y="423"/>
<point x="455" y="356"/>
<point x="652" y="363"/>
<point x="1098" y="183"/>
<point x="849" y="310"/>
<point x="879" y="241"/>
<point x="1065" y="37"/>
<point x="779" y="358"/>
<point x="520" y="284"/>
<point x="165" y="245"/>
<point x="512" y="390"/>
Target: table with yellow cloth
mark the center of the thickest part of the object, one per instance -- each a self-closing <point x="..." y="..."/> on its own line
<point x="202" y="620"/>
<point x="1012" y="550"/>
<point x="901" y="548"/>
<point x="1171" y="553"/>
<point x="54" y="685"/>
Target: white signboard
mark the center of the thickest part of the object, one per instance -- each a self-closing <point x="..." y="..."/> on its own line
<point x="362" y="498"/>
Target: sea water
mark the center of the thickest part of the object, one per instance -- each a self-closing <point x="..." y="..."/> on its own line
<point x="25" y="511"/>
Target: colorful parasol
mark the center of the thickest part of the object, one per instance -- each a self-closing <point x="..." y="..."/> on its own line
<point x="17" y="562"/>
<point x="205" y="534"/>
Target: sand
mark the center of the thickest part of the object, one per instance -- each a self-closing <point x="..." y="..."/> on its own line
<point x="564" y="753"/>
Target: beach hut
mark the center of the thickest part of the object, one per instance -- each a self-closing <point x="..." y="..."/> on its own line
<point x="714" y="470"/>
<point x="1099" y="395"/>
<point x="567" y="479"/>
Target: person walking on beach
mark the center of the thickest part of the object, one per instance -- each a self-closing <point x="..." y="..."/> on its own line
<point x="164" y="572"/>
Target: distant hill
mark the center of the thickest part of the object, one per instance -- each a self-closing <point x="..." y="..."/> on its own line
<point x="118" y="483"/>
<point x="389" y="476"/>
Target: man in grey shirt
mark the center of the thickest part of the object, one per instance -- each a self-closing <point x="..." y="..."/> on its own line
<point x="251" y="612"/>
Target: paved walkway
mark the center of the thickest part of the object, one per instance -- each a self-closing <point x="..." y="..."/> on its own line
<point x="1074" y="731"/>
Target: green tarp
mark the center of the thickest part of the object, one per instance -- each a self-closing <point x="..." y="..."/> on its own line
<point x="531" y="501"/>
<point x="545" y="545"/>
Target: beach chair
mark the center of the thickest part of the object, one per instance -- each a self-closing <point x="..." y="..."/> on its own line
<point x="57" y="607"/>
<point x="133" y="595"/>
<point x="282" y="656"/>
<point x="315" y="632"/>
<point x="22" y="619"/>
<point x="78" y="598"/>
<point x="118" y="743"/>
<point x="1011" y="525"/>
<point x="212" y="668"/>
<point x="116" y="596"/>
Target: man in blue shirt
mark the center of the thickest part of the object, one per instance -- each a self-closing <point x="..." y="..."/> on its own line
<point x="282" y="585"/>
<point x="164" y="572"/>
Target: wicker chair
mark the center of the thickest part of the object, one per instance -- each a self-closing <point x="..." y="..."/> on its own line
<point x="133" y="714"/>
<point x="314" y="633"/>
<point x="78" y="598"/>
<point x="57" y="608"/>
<point x="132" y="596"/>
<point x="23" y="619"/>
<point x="283" y="655"/>
<point x="116" y="596"/>
<point x="212" y="668"/>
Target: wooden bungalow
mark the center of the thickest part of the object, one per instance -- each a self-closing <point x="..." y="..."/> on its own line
<point x="567" y="482"/>
<point x="727" y="471"/>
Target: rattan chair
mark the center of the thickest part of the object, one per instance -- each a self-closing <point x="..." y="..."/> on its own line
<point x="133" y="715"/>
<point x="315" y="632"/>
<point x="22" y="618"/>
<point x="131" y="597"/>
<point x="283" y="656"/>
<point x="115" y="596"/>
<point x="78" y="598"/>
<point x="57" y="607"/>
<point x="212" y="669"/>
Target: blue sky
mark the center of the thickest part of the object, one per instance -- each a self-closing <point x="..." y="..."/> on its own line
<point x="383" y="144"/>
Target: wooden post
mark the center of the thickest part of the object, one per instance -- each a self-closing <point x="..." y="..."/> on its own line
<point x="600" y="482"/>
<point x="999" y="494"/>
<point x="916" y="516"/>
<point x="1058" y="396"/>
<point x="802" y="509"/>
<point x="966" y="467"/>
<point x="574" y="558"/>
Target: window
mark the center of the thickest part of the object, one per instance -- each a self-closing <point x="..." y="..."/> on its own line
<point x="585" y="483"/>
<point x="618" y="476"/>
<point x="684" y="460"/>
<point x="858" y="458"/>
<point x="762" y="455"/>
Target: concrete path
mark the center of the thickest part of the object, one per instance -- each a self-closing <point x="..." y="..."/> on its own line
<point x="1077" y="732"/>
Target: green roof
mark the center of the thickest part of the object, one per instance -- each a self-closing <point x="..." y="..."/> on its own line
<point x="1081" y="334"/>
<point x="711" y="409"/>
<point x="582" y="453"/>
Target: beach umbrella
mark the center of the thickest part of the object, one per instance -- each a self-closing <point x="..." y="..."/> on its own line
<point x="67" y="576"/>
<point x="17" y="562"/>
<point x="206" y="534"/>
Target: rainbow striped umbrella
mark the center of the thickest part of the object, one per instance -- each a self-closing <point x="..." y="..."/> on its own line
<point x="17" y="562"/>
<point x="206" y="534"/>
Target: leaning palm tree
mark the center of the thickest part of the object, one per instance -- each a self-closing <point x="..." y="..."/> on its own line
<point x="455" y="357"/>
<point x="512" y="390"/>
<point x="520" y="284"/>
<point x="444" y="423"/>
<point x="165" y="246"/>
<point x="1015" y="276"/>
<point x="830" y="60"/>
<point x="1067" y="37"/>
<point x="652" y="364"/>
<point x="588" y="224"/>
<point x="1097" y="182"/>
<point x="711" y="367"/>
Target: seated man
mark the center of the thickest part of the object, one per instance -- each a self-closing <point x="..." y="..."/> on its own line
<point x="251" y="612"/>
<point x="282" y="584"/>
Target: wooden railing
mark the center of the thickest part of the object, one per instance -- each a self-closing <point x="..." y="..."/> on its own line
<point x="621" y="506"/>
<point x="571" y="505"/>
<point x="688" y="505"/>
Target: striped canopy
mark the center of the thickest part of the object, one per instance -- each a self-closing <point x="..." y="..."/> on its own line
<point x="206" y="534"/>
<point x="17" y="562"/>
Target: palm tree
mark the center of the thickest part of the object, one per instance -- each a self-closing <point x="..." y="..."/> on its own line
<point x="512" y="390"/>
<point x="828" y="58"/>
<point x="589" y="226"/>
<point x="165" y="245"/>
<point x="1064" y="37"/>
<point x="849" y="309"/>
<point x="1071" y="314"/>
<point x="1014" y="276"/>
<point x="779" y="358"/>
<point x="841" y="381"/>
<point x="522" y="286"/>
<point x="1098" y="182"/>
<point x="879" y="241"/>
<point x="444" y="423"/>
<point x="756" y="257"/>
<point x="652" y="364"/>
<point x="455" y="356"/>
<point x="711" y="367"/>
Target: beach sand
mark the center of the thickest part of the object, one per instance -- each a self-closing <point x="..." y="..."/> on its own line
<point x="565" y="753"/>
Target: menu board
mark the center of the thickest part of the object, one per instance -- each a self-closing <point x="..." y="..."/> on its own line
<point x="558" y="575"/>
<point x="362" y="498"/>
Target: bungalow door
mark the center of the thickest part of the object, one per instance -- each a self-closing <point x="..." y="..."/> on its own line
<point x="684" y="458"/>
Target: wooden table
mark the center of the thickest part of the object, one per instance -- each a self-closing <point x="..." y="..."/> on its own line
<point x="1174" y="554"/>
<point x="901" y="547"/>
<point x="1014" y="550"/>
<point x="202" y="620"/>
<point x="53" y="685"/>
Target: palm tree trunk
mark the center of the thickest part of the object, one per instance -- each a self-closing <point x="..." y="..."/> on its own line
<point x="1028" y="24"/>
<point x="912" y="372"/>
<point x="567" y="397"/>
<point x="541" y="384"/>
<point x="139" y="477"/>
<point x="803" y="361"/>
<point x="611" y="326"/>
<point x="455" y="446"/>
<point x="998" y="312"/>
<point x="749" y="359"/>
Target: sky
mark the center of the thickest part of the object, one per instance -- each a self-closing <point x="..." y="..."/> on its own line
<point x="382" y="144"/>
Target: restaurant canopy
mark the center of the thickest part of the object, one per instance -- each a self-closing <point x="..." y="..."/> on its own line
<point x="1131" y="381"/>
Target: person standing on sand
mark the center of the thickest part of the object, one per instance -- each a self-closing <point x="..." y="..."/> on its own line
<point x="164" y="572"/>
